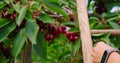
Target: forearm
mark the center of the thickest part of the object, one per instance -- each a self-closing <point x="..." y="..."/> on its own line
<point x="114" y="58"/>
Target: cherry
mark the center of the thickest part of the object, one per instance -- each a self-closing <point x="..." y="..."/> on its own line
<point x="75" y="34"/>
<point x="55" y="32"/>
<point x="67" y="34"/>
<point x="62" y="29"/>
<point x="16" y="0"/>
<point x="107" y="27"/>
<point x="52" y="28"/>
<point x="76" y="37"/>
<point x="14" y="15"/>
<point x="4" y="13"/>
<point x="36" y="14"/>
<point x="100" y="7"/>
<point x="118" y="22"/>
<point x="49" y="37"/>
<point x="71" y="17"/>
<point x="41" y="25"/>
<point x="22" y="25"/>
<point x="72" y="36"/>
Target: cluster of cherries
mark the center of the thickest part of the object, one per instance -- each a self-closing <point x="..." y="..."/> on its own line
<point x="13" y="17"/>
<point x="6" y="15"/>
<point x="55" y="32"/>
<point x="100" y="7"/>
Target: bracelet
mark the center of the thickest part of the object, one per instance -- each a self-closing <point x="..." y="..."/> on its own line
<point x="107" y="54"/>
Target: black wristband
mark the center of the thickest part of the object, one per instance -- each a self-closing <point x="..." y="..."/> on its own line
<point x="107" y="54"/>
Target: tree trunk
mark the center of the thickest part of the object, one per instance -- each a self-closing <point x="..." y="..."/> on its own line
<point x="25" y="56"/>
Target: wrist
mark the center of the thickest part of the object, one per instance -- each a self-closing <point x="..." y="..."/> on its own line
<point x="114" y="58"/>
<point x="107" y="54"/>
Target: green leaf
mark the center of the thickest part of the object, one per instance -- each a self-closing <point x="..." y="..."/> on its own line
<point x="114" y="25"/>
<point x="10" y="11"/>
<point x="2" y="4"/>
<point x="93" y="22"/>
<point x="101" y="37"/>
<point x="4" y="22"/>
<point x="24" y="1"/>
<point x="56" y="7"/>
<point x="18" y="43"/>
<point x="3" y="59"/>
<point x="6" y="1"/>
<point x="32" y="30"/>
<point x="76" y="29"/>
<point x="68" y="23"/>
<point x="109" y="15"/>
<point x="106" y="38"/>
<point x="35" y="5"/>
<point x="22" y="15"/>
<point x="46" y="18"/>
<point x="115" y="40"/>
<point x="5" y="31"/>
<point x="16" y="7"/>
<point x="111" y="3"/>
<point x="29" y="16"/>
<point x="76" y="47"/>
<point x="41" y="46"/>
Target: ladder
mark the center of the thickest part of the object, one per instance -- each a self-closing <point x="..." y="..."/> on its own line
<point x="85" y="31"/>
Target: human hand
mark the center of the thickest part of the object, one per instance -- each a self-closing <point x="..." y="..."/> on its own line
<point x="98" y="51"/>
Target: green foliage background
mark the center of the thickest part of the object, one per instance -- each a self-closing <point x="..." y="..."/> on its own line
<point x="13" y="37"/>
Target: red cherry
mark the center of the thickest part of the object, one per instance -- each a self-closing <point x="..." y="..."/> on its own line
<point x="71" y="17"/>
<point x="8" y="16"/>
<point x="71" y="38"/>
<point x="22" y="25"/>
<point x="118" y="22"/>
<point x="76" y="37"/>
<point x="51" y="37"/>
<point x="63" y="28"/>
<point x="75" y="34"/>
<point x="51" y="26"/>
<point x="14" y="16"/>
<point x="67" y="33"/>
<point x="36" y="14"/>
<point x="60" y="30"/>
<point x="16" y="0"/>
<point x="4" y="13"/>
<point x="107" y="27"/>
<point x="47" y="37"/>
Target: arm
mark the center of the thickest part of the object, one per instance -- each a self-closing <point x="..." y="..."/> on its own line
<point x="114" y="58"/>
<point x="98" y="52"/>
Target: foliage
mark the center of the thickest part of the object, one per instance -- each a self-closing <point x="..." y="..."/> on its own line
<point x="52" y="28"/>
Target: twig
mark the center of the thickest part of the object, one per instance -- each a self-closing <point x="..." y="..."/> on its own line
<point x="113" y="32"/>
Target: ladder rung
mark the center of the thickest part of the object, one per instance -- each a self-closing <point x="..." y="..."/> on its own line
<point x="114" y="32"/>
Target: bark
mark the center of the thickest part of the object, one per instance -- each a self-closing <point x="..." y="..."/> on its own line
<point x="26" y="53"/>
